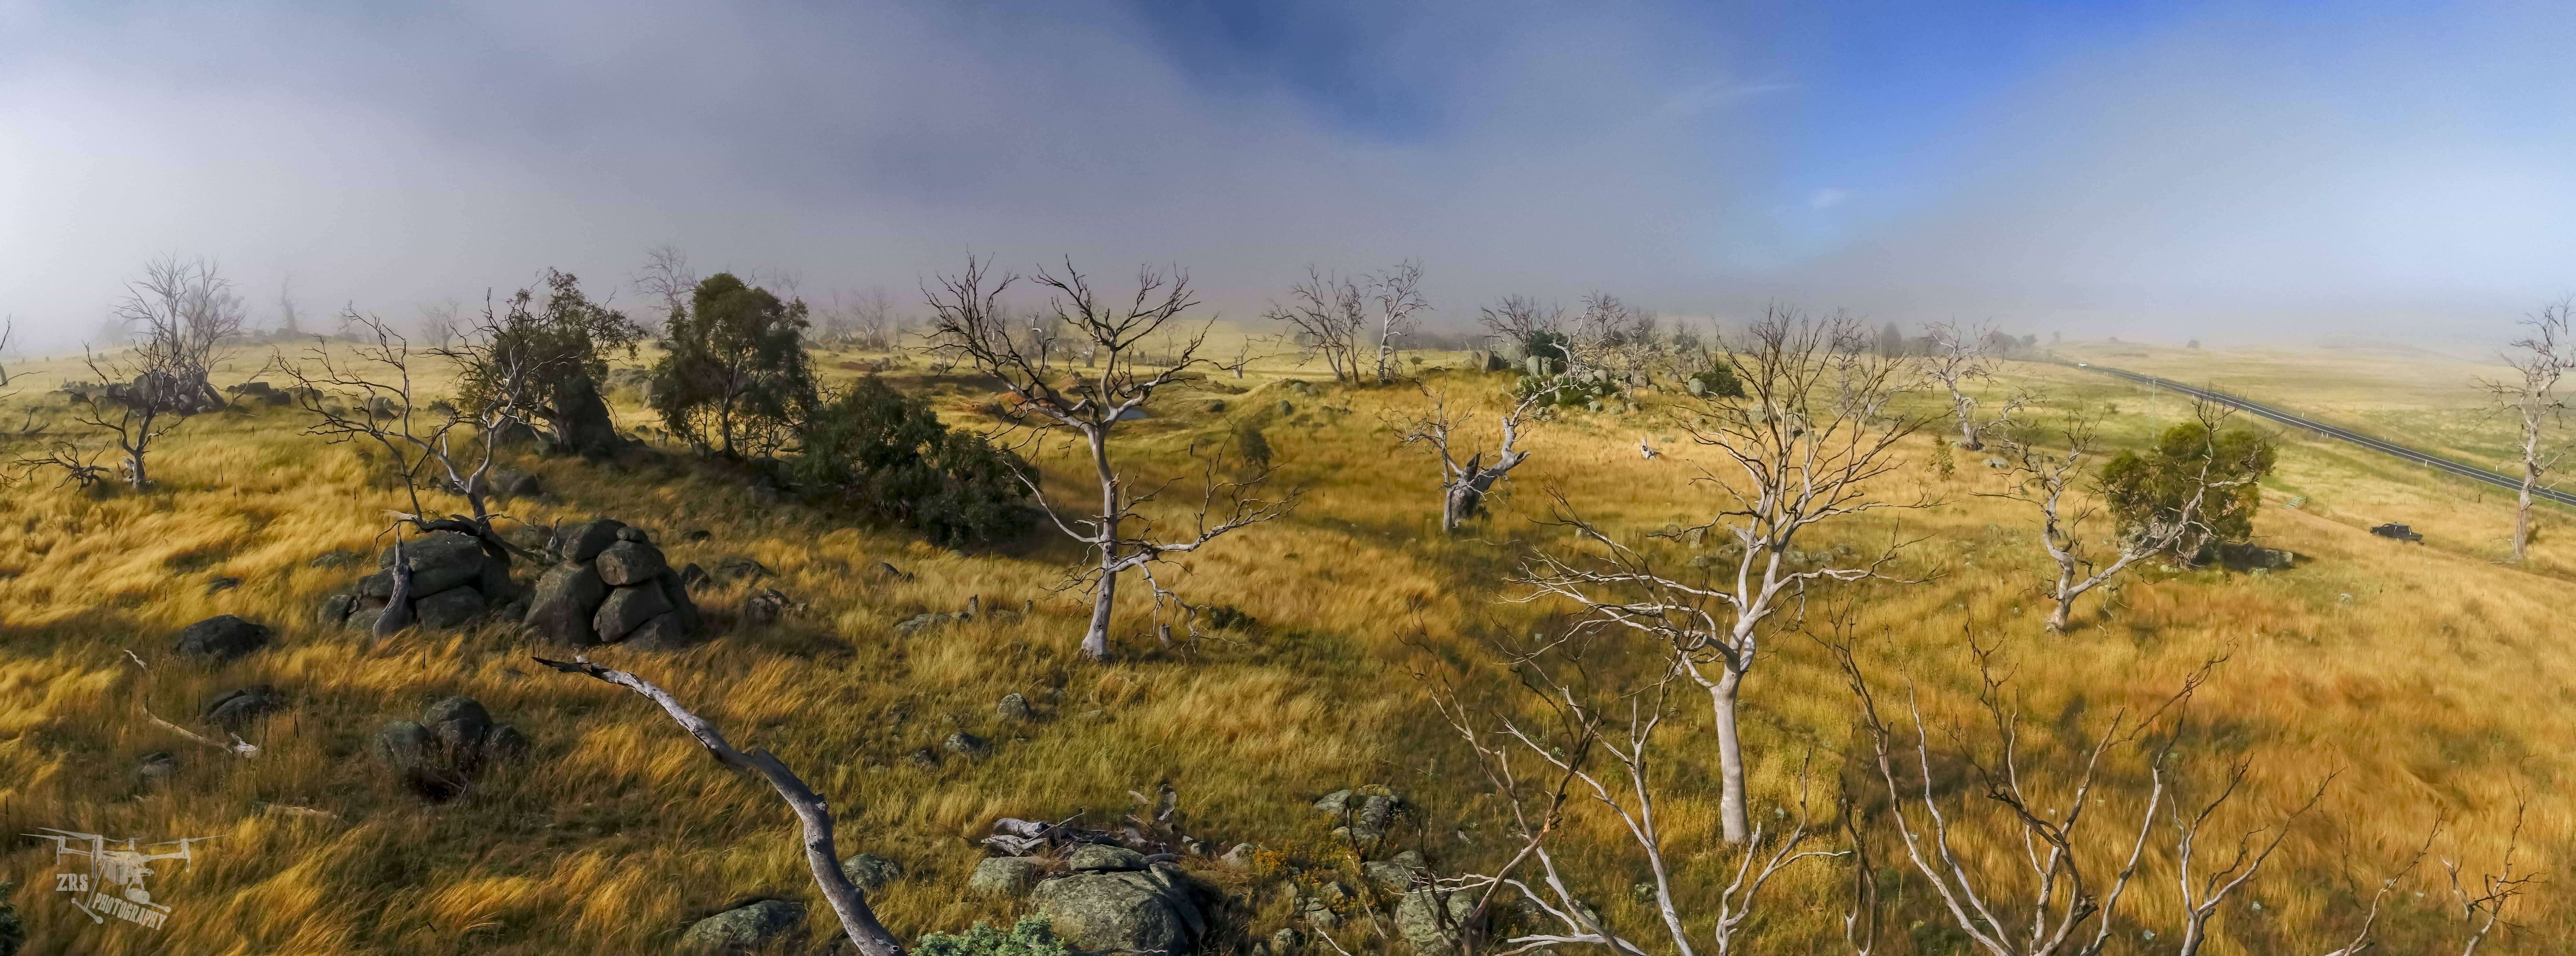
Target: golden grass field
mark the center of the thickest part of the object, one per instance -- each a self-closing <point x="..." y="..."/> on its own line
<point x="2427" y="679"/>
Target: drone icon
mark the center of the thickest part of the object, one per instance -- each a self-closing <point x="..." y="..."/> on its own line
<point x="111" y="865"/>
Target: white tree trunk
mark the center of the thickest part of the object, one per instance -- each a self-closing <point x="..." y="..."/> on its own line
<point x="1095" y="641"/>
<point x="1730" y="757"/>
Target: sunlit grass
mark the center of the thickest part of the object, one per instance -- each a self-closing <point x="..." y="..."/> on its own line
<point x="2428" y="678"/>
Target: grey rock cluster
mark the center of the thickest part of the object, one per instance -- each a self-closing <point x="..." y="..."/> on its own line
<point x="1364" y="812"/>
<point x="454" y="580"/>
<point x="611" y="586"/>
<point x="454" y="740"/>
<point x="237" y="710"/>
<point x="258" y="393"/>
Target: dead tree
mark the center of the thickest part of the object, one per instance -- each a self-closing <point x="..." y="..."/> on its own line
<point x="1956" y="357"/>
<point x="1397" y="294"/>
<point x="2061" y="895"/>
<point x="427" y="443"/>
<point x="972" y="327"/>
<point x="668" y="279"/>
<point x="1538" y="763"/>
<point x="1464" y="485"/>
<point x="8" y="340"/>
<point x="184" y="312"/>
<point x="152" y="400"/>
<point x="1521" y="320"/>
<point x="2530" y="396"/>
<point x="813" y="813"/>
<point x="2051" y="481"/>
<point x="1806" y="444"/>
<point x="1326" y="315"/>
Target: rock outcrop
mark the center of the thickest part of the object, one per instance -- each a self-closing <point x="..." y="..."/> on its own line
<point x="744" y="927"/>
<point x="612" y="586"/>
<point x="454" y="741"/>
<point x="455" y="580"/>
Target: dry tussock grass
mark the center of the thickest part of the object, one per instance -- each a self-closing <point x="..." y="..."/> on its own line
<point x="2429" y="679"/>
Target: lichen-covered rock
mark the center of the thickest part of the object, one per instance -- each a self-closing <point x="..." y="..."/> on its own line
<point x="626" y="609"/>
<point x="439" y="560"/>
<point x="221" y="638"/>
<point x="743" y="927"/>
<point x="335" y="609"/>
<point x="1146" y="912"/>
<point x="1102" y="858"/>
<point x="965" y="744"/>
<point x="459" y="723"/>
<point x="1005" y="875"/>
<point x="1418" y="920"/>
<point x="1014" y="708"/>
<point x="869" y="871"/>
<point x="566" y="598"/>
<point x="402" y="743"/>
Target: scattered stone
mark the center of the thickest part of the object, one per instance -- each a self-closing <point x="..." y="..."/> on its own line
<point x="870" y="871"/>
<point x="1005" y="875"/>
<point x="926" y="620"/>
<point x="925" y="758"/>
<point x="235" y="710"/>
<point x="887" y="572"/>
<point x="509" y="483"/>
<point x="336" y="608"/>
<point x="504" y="741"/>
<point x="965" y="744"/>
<point x="695" y="535"/>
<point x="747" y="926"/>
<point x="663" y="633"/>
<point x="1286" y="941"/>
<point x="455" y="739"/>
<point x="695" y="578"/>
<point x="459" y="723"/>
<point x="157" y="767"/>
<point x="1014" y="708"/>
<point x="221" y="638"/>
<point x="338" y="558"/>
<point x="402" y="743"/>
<point x="222" y="584"/>
<point x="764" y="606"/>
<point x="1240" y="857"/>
<point x="737" y="568"/>
<point x="1333" y="803"/>
<point x="634" y="534"/>
<point x="1389" y="875"/>
<point x="1103" y="858"/>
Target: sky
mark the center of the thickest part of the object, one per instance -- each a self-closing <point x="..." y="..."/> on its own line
<point x="2238" y="172"/>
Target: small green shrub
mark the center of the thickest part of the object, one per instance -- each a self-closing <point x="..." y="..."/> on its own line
<point x="875" y="448"/>
<point x="1031" y="936"/>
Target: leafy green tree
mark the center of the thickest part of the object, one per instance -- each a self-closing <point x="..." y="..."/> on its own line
<point x="2199" y="474"/>
<point x="736" y="374"/>
<point x="548" y="357"/>
<point x="886" y="452"/>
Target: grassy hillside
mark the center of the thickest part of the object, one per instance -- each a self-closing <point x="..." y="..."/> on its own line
<point x="2427" y="679"/>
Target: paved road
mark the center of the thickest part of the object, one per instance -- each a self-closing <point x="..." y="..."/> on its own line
<point x="2321" y="428"/>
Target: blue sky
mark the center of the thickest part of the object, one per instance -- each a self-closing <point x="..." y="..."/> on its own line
<point x="2256" y="170"/>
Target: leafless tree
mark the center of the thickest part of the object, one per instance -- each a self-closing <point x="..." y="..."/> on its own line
<point x="1958" y="356"/>
<point x="1518" y="318"/>
<point x="1397" y="294"/>
<point x="2049" y="476"/>
<point x="668" y="279"/>
<point x="290" y="318"/>
<point x="1536" y="764"/>
<point x="2484" y="898"/>
<point x="2530" y="396"/>
<point x="439" y="324"/>
<point x="1805" y="447"/>
<point x="427" y="443"/>
<point x="1327" y="314"/>
<point x="184" y="313"/>
<point x="144" y="396"/>
<point x="865" y="319"/>
<point x="970" y="326"/>
<point x="813" y="813"/>
<point x="2062" y="893"/>
<point x="79" y="465"/>
<point x="1463" y="485"/>
<point x="8" y="340"/>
